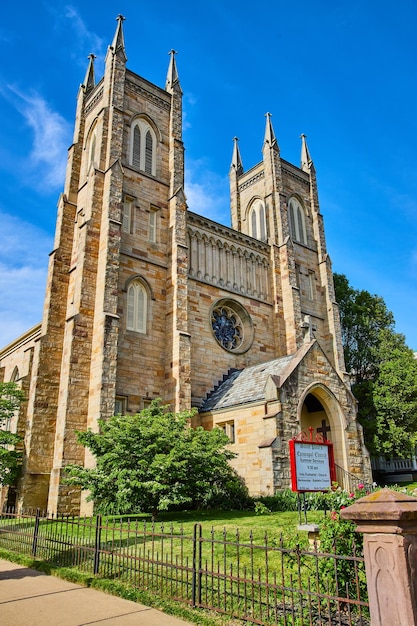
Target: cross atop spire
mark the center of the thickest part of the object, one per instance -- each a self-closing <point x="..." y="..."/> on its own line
<point x="172" y="75"/>
<point x="118" y="45"/>
<point x="306" y="160"/>
<point x="89" y="80"/>
<point x="236" y="158"/>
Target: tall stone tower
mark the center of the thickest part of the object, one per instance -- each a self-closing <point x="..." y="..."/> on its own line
<point x="278" y="203"/>
<point x="146" y="299"/>
<point x="123" y="205"/>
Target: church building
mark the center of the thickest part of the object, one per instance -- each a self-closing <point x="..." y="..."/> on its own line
<point x="146" y="299"/>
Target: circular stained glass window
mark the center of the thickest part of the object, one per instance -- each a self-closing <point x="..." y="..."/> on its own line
<point x="231" y="326"/>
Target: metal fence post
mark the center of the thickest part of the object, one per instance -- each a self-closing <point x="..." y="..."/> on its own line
<point x="196" y="569"/>
<point x="36" y="532"/>
<point x="97" y="545"/>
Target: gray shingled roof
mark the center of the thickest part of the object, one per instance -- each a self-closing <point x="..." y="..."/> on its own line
<point x="245" y="385"/>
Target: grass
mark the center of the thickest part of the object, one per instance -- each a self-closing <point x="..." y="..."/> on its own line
<point x="133" y="557"/>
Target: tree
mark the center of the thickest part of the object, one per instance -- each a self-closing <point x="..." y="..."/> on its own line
<point x="153" y="461"/>
<point x="10" y="458"/>
<point x="362" y="316"/>
<point x="395" y="397"/>
<point x="383" y="371"/>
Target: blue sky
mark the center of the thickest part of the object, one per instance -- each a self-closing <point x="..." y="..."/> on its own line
<point x="342" y="73"/>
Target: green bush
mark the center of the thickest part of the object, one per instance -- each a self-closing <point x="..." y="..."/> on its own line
<point x="285" y="500"/>
<point x="339" y="536"/>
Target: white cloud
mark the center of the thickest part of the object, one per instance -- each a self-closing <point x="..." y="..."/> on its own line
<point x="23" y="269"/>
<point x="51" y="137"/>
<point x="207" y="192"/>
<point x="85" y="36"/>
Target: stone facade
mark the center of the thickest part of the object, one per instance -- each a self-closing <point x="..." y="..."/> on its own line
<point x="123" y="224"/>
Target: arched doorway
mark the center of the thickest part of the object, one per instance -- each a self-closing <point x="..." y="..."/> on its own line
<point x="320" y="409"/>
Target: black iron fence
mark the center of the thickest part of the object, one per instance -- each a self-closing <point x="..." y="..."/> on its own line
<point x="262" y="582"/>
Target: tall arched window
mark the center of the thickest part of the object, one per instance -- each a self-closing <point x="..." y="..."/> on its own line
<point x="10" y="423"/>
<point x="297" y="221"/>
<point x="257" y="220"/>
<point x="92" y="145"/>
<point x="137" y="307"/>
<point x="142" y="147"/>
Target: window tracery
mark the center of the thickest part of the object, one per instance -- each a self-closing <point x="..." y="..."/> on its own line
<point x="137" y="305"/>
<point x="231" y="326"/>
<point x="257" y="220"/>
<point x="143" y="147"/>
<point x="297" y="221"/>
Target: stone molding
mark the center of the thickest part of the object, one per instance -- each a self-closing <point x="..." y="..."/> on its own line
<point x="218" y="261"/>
<point x="148" y="95"/>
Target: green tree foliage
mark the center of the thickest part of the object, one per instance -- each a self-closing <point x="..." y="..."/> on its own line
<point x="362" y="316"/>
<point x="153" y="461"/>
<point x="10" y="458"/>
<point x="395" y="397"/>
<point x="383" y="370"/>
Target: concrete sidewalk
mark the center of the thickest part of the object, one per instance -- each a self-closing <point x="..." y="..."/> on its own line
<point x="30" y="598"/>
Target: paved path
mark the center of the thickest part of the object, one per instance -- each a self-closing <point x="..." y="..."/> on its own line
<point x="30" y="598"/>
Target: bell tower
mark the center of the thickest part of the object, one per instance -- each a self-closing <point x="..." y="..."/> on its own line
<point x="115" y="329"/>
<point x="277" y="202"/>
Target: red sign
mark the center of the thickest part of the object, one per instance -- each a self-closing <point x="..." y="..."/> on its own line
<point x="311" y="462"/>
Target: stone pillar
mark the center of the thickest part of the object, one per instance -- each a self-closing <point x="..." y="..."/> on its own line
<point x="389" y="522"/>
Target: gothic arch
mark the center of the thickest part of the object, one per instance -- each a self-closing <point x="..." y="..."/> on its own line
<point x="14" y="378"/>
<point x="144" y="136"/>
<point x="297" y="219"/>
<point x="138" y="298"/>
<point x="256" y="219"/>
<point x="90" y="146"/>
<point x="318" y="407"/>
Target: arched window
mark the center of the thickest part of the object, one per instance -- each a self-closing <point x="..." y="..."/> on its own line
<point x="137" y="305"/>
<point x="92" y="145"/>
<point x="15" y="375"/>
<point x="257" y="220"/>
<point x="297" y="221"/>
<point x="10" y="423"/>
<point x="142" y="147"/>
<point x="136" y="147"/>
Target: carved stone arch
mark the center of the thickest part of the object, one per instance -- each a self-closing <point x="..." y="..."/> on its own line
<point x="144" y="135"/>
<point x="256" y="218"/>
<point x="91" y="129"/>
<point x="91" y="148"/>
<point x="15" y="377"/>
<point x="141" y="279"/>
<point x="319" y="407"/>
<point x="251" y="203"/>
<point x="146" y="118"/>
<point x="297" y="218"/>
<point x="138" y="304"/>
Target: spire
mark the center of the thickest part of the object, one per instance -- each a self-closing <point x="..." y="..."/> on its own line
<point x="236" y="159"/>
<point x="118" y="45"/>
<point x="89" y="80"/>
<point x="306" y="160"/>
<point x="269" y="132"/>
<point x="172" y="76"/>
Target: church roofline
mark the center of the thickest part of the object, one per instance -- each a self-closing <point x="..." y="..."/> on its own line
<point x="247" y="386"/>
<point x="30" y="335"/>
<point x="226" y="231"/>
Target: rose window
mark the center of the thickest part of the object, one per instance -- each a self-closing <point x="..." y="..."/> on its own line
<point x="231" y="326"/>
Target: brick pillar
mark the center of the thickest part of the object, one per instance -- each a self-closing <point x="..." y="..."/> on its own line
<point x="388" y="521"/>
